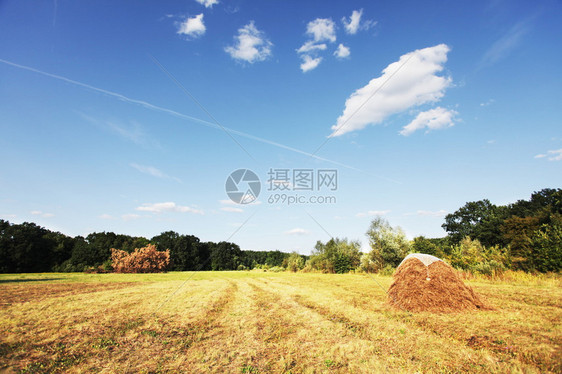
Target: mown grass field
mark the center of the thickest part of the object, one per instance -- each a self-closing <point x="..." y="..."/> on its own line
<point x="251" y="322"/>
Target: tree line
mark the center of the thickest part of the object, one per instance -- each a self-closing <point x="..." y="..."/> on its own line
<point x="27" y="247"/>
<point x="481" y="237"/>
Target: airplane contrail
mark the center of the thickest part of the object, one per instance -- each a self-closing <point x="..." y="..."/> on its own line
<point x="150" y="106"/>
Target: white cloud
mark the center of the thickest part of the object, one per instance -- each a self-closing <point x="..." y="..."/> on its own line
<point x="130" y="217"/>
<point x="40" y="213"/>
<point x="408" y="82"/>
<point x="193" y="27"/>
<point x="133" y="132"/>
<point x="429" y="213"/>
<point x="310" y="63"/>
<point x="342" y="51"/>
<point x="152" y="171"/>
<point x="489" y="102"/>
<point x="208" y="3"/>
<point x="507" y="43"/>
<point x="229" y="204"/>
<point x="322" y="29"/>
<point x="433" y="119"/>
<point x="354" y="24"/>
<point x="372" y="213"/>
<point x="167" y="207"/>
<point x="232" y="209"/>
<point x="106" y="216"/>
<point x="251" y="45"/>
<point x="554" y="155"/>
<point x="297" y="231"/>
<point x="310" y="46"/>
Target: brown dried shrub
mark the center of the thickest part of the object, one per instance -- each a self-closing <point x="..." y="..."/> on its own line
<point x="141" y="260"/>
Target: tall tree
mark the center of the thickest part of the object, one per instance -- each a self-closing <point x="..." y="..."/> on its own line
<point x="389" y="245"/>
<point x="477" y="219"/>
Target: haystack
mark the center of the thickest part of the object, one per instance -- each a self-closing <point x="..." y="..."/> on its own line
<point x="425" y="283"/>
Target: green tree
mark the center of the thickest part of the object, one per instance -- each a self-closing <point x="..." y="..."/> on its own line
<point x="517" y="233"/>
<point x="547" y="245"/>
<point x="389" y="245"/>
<point x="478" y="219"/>
<point x="186" y="253"/>
<point x="421" y="244"/>
<point x="336" y="256"/>
<point x="24" y="248"/>
<point x="225" y="256"/>
<point x="294" y="262"/>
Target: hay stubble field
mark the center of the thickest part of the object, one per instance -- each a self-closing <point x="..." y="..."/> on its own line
<point x="255" y="322"/>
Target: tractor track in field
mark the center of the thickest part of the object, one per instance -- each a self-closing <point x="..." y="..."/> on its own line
<point x="106" y="339"/>
<point x="501" y="349"/>
<point x="198" y="331"/>
<point x="18" y="293"/>
<point x="281" y="334"/>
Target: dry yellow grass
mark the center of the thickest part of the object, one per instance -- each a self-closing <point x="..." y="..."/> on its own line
<point x="249" y="322"/>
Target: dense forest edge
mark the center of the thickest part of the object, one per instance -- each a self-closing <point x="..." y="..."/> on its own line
<point x="481" y="238"/>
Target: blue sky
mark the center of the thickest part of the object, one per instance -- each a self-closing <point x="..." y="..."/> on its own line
<point x="129" y="116"/>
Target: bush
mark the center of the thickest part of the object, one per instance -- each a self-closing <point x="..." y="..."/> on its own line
<point x="294" y="262"/>
<point x="141" y="260"/>
<point x="388" y="270"/>
<point x="471" y="255"/>
<point x="336" y="256"/>
<point x="276" y="269"/>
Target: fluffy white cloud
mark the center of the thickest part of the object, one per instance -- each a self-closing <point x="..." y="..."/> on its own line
<point x="251" y="45"/>
<point x="433" y="119"/>
<point x="192" y="27"/>
<point x="310" y="63"/>
<point x="554" y="155"/>
<point x="342" y="51"/>
<point x="322" y="29"/>
<point x="167" y="207"/>
<point x="372" y="213"/>
<point x="310" y="46"/>
<point x="408" y="82"/>
<point x="354" y="24"/>
<point x="207" y="3"/>
<point x="297" y="231"/>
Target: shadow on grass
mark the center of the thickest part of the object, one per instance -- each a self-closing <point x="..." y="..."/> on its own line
<point x="28" y="280"/>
